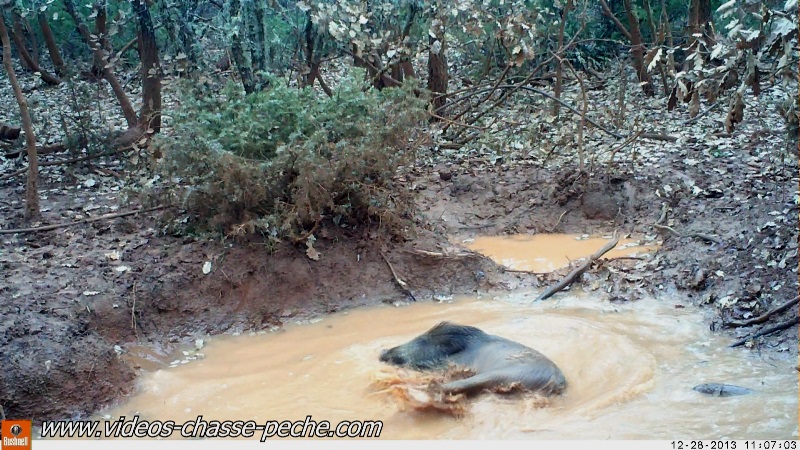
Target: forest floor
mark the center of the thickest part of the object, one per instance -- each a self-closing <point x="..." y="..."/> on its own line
<point x="77" y="297"/>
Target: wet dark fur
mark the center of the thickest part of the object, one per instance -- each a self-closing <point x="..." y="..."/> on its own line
<point x="498" y="363"/>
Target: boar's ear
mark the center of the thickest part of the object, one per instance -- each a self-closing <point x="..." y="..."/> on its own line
<point x="448" y="338"/>
<point x="441" y="327"/>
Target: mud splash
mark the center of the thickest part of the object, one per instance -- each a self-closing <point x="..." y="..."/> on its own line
<point x="541" y="253"/>
<point x="630" y="369"/>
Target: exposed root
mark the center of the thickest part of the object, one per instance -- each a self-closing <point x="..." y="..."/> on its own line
<point x="764" y="317"/>
<point x="781" y="326"/>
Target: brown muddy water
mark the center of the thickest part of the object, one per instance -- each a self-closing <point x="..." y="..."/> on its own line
<point x="630" y="369"/>
<point x="541" y="253"/>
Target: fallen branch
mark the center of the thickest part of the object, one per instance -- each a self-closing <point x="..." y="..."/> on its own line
<point x="702" y="236"/>
<point x="658" y="137"/>
<point x="617" y="258"/>
<point x="402" y="284"/>
<point x="53" y="148"/>
<point x="706" y="111"/>
<point x="553" y="228"/>
<point x="572" y="276"/>
<point x="65" y="161"/>
<point x="91" y="219"/>
<point x="776" y="328"/>
<point x="764" y="317"/>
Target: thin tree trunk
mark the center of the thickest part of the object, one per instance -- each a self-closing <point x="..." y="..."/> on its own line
<point x="237" y="49"/>
<point x="437" y="65"/>
<point x="668" y="33"/>
<point x="150" y="114"/>
<point x="101" y="36"/>
<point x="559" y="65"/>
<point x="108" y="74"/>
<point x="700" y="21"/>
<point x="50" y="41"/>
<point x="187" y="36"/>
<point x="34" y="42"/>
<point x="634" y="35"/>
<point x="27" y="60"/>
<point x="656" y="41"/>
<point x="19" y="41"/>
<point x="638" y="49"/>
<point x="260" y="53"/>
<point x="32" y="211"/>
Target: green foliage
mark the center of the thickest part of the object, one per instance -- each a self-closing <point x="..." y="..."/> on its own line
<point x="281" y="161"/>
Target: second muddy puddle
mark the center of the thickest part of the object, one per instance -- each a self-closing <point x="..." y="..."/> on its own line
<point x="541" y="253"/>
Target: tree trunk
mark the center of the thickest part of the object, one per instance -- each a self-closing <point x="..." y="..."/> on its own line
<point x="101" y="36"/>
<point x="657" y="40"/>
<point x="19" y="41"/>
<point x="260" y="53"/>
<point x="240" y="60"/>
<point x="668" y="33"/>
<point x="638" y="49"/>
<point x="700" y="21"/>
<point x="187" y="36"/>
<point x="559" y="55"/>
<point x="34" y="42"/>
<point x="50" y="41"/>
<point x="437" y="65"/>
<point x="27" y="61"/>
<point x="32" y="211"/>
<point x="150" y="114"/>
<point x="634" y="35"/>
<point x="108" y="74"/>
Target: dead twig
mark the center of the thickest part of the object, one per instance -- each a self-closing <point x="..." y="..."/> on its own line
<point x="764" y="317"/>
<point x="659" y="137"/>
<point x="624" y="144"/>
<point x="781" y="326"/>
<point x="617" y="258"/>
<point x="706" y="111"/>
<point x="702" y="236"/>
<point x="402" y="284"/>
<point x="64" y="161"/>
<point x="663" y="217"/>
<point x="91" y="219"/>
<point x="572" y="276"/>
<point x="552" y="229"/>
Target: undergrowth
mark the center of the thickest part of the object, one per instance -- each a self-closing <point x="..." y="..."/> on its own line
<point x="282" y="161"/>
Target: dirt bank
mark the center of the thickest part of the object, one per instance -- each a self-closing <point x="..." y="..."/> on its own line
<point x="74" y="294"/>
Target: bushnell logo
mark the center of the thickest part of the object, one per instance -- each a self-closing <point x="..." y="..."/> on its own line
<point x="16" y="435"/>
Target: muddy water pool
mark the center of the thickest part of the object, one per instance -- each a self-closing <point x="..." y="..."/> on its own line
<point x="630" y="369"/>
<point x="542" y="253"/>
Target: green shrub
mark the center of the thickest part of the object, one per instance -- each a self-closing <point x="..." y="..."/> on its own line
<point x="284" y="160"/>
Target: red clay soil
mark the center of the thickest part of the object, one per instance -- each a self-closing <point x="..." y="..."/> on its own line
<point x="68" y="303"/>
